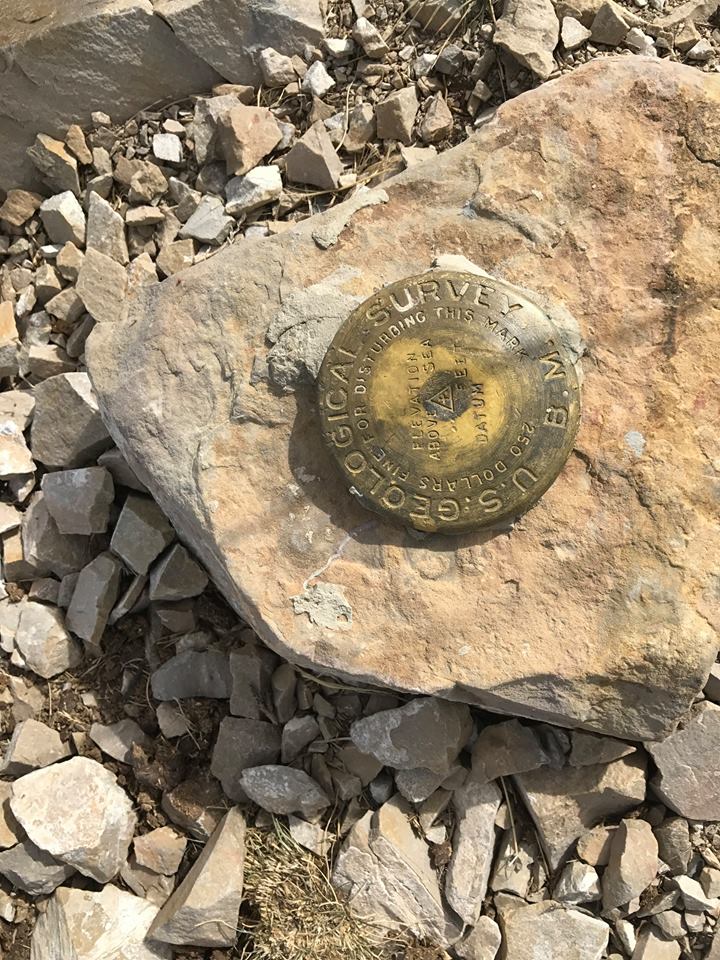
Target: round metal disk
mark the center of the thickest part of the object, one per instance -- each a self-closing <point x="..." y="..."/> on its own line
<point x="449" y="402"/>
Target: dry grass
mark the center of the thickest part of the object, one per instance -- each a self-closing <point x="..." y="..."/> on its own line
<point x="291" y="910"/>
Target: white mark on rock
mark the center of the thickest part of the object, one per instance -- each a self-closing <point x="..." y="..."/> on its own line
<point x="333" y="224"/>
<point x="636" y="441"/>
<point x="326" y="605"/>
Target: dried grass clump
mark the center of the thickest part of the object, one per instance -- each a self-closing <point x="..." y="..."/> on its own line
<point x="292" y="912"/>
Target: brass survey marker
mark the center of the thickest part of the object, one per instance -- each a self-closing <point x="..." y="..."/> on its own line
<point x="449" y="402"/>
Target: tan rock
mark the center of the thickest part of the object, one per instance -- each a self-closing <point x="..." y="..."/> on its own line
<point x="594" y="846"/>
<point x="437" y="124"/>
<point x="77" y="145"/>
<point x="395" y="115"/>
<point x="594" y="611"/>
<point x="566" y="803"/>
<point x="101" y="285"/>
<point x="313" y="160"/>
<point x="247" y="135"/>
<point x="204" y="909"/>
<point x="528" y="30"/>
<point x="160" y="850"/>
<point x="19" y="206"/>
<point x="551" y="929"/>
<point x="54" y="164"/>
<point x="632" y="865"/>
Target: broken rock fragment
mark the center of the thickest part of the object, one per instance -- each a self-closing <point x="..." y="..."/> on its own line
<point x="32" y="745"/>
<point x="77" y="812"/>
<point x="633" y="863"/>
<point x="384" y="872"/>
<point x="160" y="850"/>
<point x="105" y="230"/>
<point x="79" y="501"/>
<point x="208" y="224"/>
<point x="426" y="732"/>
<point x="204" y="909"/>
<point x="240" y="744"/>
<point x="565" y="803"/>
<point x="54" y="164"/>
<point x="43" y="642"/>
<point x="176" y="576"/>
<point x="247" y="135"/>
<point x="33" y="870"/>
<point x="476" y="805"/>
<point x="258" y="187"/>
<point x="313" y="160"/>
<point x="283" y="790"/>
<point x="118" y="739"/>
<point x="528" y="31"/>
<point x="395" y="115"/>
<point x="192" y="673"/>
<point x="506" y="748"/>
<point x="101" y="285"/>
<point x="91" y="925"/>
<point x="67" y="429"/>
<point x="63" y="219"/>
<point x="551" y="929"/>
<point x="141" y="533"/>
<point x="688" y="765"/>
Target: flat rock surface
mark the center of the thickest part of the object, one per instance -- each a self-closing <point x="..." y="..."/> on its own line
<point x="599" y="608"/>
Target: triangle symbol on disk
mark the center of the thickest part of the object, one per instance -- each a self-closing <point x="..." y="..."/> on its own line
<point x="444" y="398"/>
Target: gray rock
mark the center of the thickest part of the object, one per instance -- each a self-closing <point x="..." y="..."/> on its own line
<point x="674" y="847"/>
<point x="15" y="457"/>
<point x="122" y="473"/>
<point x="297" y="733"/>
<point x="633" y="863"/>
<point x="85" y="925"/>
<point x="550" y="929"/>
<point x="317" y="81"/>
<point x="63" y="219"/>
<point x="418" y="784"/>
<point x="507" y="748"/>
<point x="312" y="836"/>
<point x="48" y="550"/>
<point x="209" y="223"/>
<point x="395" y="115"/>
<point x="54" y="164"/>
<point x="313" y="160"/>
<point x="106" y="230"/>
<point x="482" y="942"/>
<point x="94" y="597"/>
<point x="240" y="744"/>
<point x="195" y="806"/>
<point x="587" y="748"/>
<point x="277" y="69"/>
<point x="130" y="599"/>
<point x="437" y="122"/>
<point x="141" y="533"/>
<point x="77" y="812"/>
<point x="566" y="803"/>
<point x="176" y="576"/>
<point x="161" y="850"/>
<point x="610" y="25"/>
<point x="283" y="790"/>
<point x="204" y="909"/>
<point x="32" y="745"/>
<point x="67" y="430"/>
<point x="578" y="883"/>
<point x="652" y="946"/>
<point x="43" y="642"/>
<point x="513" y="870"/>
<point x="227" y="34"/>
<point x="694" y="897"/>
<point x="712" y="687"/>
<point x="251" y="667"/>
<point x="368" y="37"/>
<point x="11" y="832"/>
<point x="528" y="30"/>
<point x="79" y="501"/>
<point x="258" y="187"/>
<point x="688" y="765"/>
<point x="33" y="870"/>
<point x="102" y="285"/>
<point x="573" y="34"/>
<point x="167" y="148"/>
<point x="171" y="721"/>
<point x="146" y="883"/>
<point x="117" y="739"/>
<point x="194" y="673"/>
<point x="204" y="128"/>
<point x="426" y="732"/>
<point x="476" y="805"/>
<point x="594" y="846"/>
<point x="384" y="872"/>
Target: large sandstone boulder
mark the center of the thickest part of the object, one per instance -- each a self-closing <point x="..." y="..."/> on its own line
<point x="62" y="59"/>
<point x="599" y="609"/>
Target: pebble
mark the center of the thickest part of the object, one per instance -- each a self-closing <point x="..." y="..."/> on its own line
<point x="573" y="34"/>
<point x="277" y="69"/>
<point x="609" y="25"/>
<point x="167" y="148"/>
<point x="437" y="124"/>
<point x="297" y="733"/>
<point x="369" y="38"/>
<point x="160" y="850"/>
<point x="578" y="883"/>
<point x="242" y="743"/>
<point x="317" y="81"/>
<point x="77" y="145"/>
<point x="176" y="256"/>
<point x="247" y="135"/>
<point x="209" y="223"/>
<point x="43" y="643"/>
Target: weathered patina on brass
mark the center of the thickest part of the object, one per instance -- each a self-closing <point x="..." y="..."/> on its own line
<point x="449" y="402"/>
